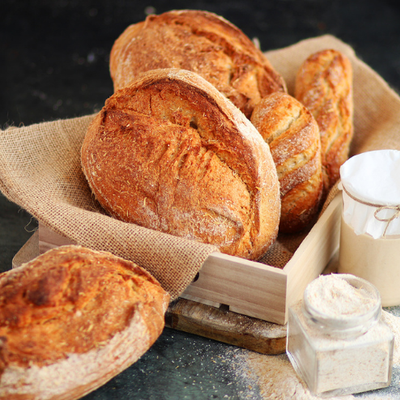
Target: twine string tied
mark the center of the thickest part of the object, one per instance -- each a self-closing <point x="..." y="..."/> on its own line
<point x="379" y="208"/>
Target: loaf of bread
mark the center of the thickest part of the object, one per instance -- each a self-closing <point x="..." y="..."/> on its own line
<point x="293" y="137"/>
<point x="171" y="153"/>
<point x="201" y="42"/>
<point x="72" y="319"/>
<point x="324" y="84"/>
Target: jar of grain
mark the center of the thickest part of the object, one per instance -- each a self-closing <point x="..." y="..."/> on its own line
<point x="336" y="340"/>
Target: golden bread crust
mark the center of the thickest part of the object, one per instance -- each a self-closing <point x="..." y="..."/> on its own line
<point x="201" y="42"/>
<point x="324" y="84"/>
<point x="73" y="318"/>
<point x="293" y="136"/>
<point x="171" y="153"/>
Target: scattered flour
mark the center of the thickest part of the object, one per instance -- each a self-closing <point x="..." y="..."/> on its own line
<point x="277" y="379"/>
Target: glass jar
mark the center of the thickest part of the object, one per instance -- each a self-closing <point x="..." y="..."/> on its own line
<point x="336" y="340"/>
<point x="376" y="260"/>
<point x="370" y="223"/>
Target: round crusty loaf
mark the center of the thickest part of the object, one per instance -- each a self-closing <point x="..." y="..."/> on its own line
<point x="324" y="84"/>
<point x="72" y="319"/>
<point x="201" y="42"/>
<point x="171" y="153"/>
<point x="293" y="136"/>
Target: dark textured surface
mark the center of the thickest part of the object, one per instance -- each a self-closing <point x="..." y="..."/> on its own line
<point x="54" y="54"/>
<point x="54" y="64"/>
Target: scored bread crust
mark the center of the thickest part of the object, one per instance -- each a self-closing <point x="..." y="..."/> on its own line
<point x="324" y="84"/>
<point x="171" y="153"/>
<point x="202" y="42"/>
<point x="72" y="319"/>
<point x="293" y="136"/>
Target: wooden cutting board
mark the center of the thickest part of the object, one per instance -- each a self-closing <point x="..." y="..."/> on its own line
<point x="211" y="322"/>
<point x="226" y="326"/>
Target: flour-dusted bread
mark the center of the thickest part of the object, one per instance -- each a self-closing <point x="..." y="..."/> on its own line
<point x="324" y="84"/>
<point x="72" y="319"/>
<point x="171" y="153"/>
<point x="199" y="41"/>
<point x="293" y="136"/>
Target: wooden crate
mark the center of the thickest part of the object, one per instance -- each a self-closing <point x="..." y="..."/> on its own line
<point x="252" y="288"/>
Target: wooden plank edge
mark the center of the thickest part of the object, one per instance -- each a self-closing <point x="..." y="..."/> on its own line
<point x="27" y="252"/>
<point x="226" y="327"/>
<point x="323" y="243"/>
<point x="247" y="287"/>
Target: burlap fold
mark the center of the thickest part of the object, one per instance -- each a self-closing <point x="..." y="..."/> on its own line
<point x="40" y="171"/>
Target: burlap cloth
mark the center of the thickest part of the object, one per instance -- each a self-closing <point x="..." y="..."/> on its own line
<point x="40" y="171"/>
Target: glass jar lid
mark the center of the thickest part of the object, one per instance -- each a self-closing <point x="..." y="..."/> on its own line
<point x="341" y="304"/>
<point x="371" y="193"/>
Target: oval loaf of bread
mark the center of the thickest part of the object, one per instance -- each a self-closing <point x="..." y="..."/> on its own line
<point x="293" y="137"/>
<point x="72" y="319"/>
<point x="171" y="153"/>
<point x="201" y="42"/>
<point x="324" y="84"/>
